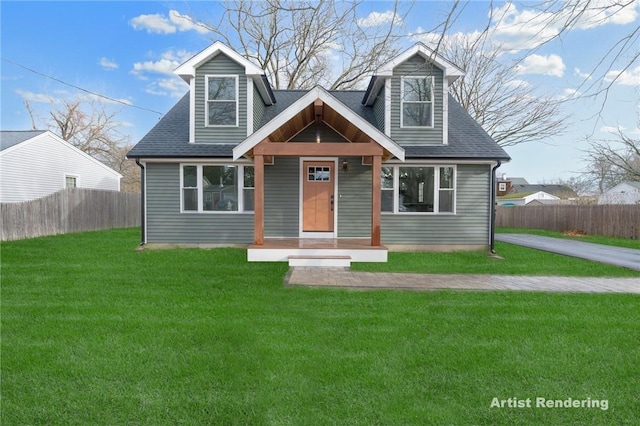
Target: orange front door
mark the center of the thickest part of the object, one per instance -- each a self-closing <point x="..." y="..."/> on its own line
<point x="318" y="198"/>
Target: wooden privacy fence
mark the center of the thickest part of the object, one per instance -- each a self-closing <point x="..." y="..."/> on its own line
<point x="621" y="221"/>
<point x="70" y="210"/>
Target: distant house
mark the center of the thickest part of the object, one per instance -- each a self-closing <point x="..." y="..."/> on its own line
<point x="561" y="191"/>
<point x="504" y="184"/>
<point x="38" y="163"/>
<point x="534" y="198"/>
<point x="623" y="193"/>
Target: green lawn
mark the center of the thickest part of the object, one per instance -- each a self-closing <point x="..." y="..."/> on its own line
<point x="94" y="332"/>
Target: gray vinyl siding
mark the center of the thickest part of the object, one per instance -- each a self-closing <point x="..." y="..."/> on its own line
<point x="165" y="223"/>
<point x="258" y="108"/>
<point x="416" y="66"/>
<point x="354" y="199"/>
<point x="378" y="110"/>
<point x="281" y="195"/>
<point x="469" y="226"/>
<point x="220" y="64"/>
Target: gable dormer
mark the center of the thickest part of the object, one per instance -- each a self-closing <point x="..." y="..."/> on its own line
<point x="227" y="94"/>
<point x="409" y="96"/>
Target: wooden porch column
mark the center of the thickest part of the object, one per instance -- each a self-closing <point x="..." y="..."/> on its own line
<point x="376" y="170"/>
<point x="258" y="200"/>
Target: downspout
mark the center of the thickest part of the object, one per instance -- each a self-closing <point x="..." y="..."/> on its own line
<point x="143" y="236"/>
<point x="492" y="225"/>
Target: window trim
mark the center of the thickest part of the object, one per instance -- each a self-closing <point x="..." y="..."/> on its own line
<point x="199" y="188"/>
<point x="436" y="189"/>
<point x="207" y="100"/>
<point x="68" y="175"/>
<point x="431" y="101"/>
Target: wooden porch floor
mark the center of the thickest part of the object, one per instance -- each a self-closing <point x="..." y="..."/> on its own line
<point x="318" y="243"/>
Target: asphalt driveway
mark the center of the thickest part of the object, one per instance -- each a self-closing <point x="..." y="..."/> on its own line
<point x="619" y="256"/>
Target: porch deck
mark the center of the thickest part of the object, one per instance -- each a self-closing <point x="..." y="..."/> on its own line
<point x="286" y="249"/>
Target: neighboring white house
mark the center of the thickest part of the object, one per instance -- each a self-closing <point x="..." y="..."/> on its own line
<point x="622" y="193"/>
<point x="38" y="163"/>
<point x="539" y="197"/>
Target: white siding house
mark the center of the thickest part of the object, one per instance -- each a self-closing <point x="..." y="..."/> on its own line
<point x="623" y="193"/>
<point x="38" y="163"/>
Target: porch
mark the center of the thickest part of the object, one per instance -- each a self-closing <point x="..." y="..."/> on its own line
<point x="317" y="251"/>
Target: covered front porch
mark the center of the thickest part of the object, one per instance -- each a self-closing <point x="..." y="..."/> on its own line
<point x="319" y="133"/>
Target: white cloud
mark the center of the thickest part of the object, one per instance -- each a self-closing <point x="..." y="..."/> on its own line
<point x="579" y="73"/>
<point x="35" y="97"/>
<point x="611" y="129"/>
<point x="173" y="87"/>
<point x="160" y="24"/>
<point x="108" y="64"/>
<point x="539" y="64"/>
<point x="376" y="18"/>
<point x="626" y="78"/>
<point x="168" y="62"/>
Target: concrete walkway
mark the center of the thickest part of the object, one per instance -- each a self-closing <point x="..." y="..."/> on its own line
<point x="619" y="256"/>
<point x="345" y="278"/>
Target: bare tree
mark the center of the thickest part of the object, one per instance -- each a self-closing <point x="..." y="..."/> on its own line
<point x="613" y="161"/>
<point x="91" y="128"/>
<point x="303" y="43"/>
<point x="509" y="109"/>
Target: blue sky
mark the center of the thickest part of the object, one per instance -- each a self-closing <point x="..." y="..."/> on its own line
<point x="127" y="50"/>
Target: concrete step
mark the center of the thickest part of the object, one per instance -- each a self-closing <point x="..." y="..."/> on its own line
<point x="320" y="261"/>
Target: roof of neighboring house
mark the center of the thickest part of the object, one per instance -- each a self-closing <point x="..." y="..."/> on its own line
<point x="628" y="182"/>
<point x="9" y="138"/>
<point x="170" y="137"/>
<point x="557" y="190"/>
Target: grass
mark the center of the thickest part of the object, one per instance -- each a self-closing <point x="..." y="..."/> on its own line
<point x="96" y="333"/>
<point x="610" y="241"/>
<point x="516" y="261"/>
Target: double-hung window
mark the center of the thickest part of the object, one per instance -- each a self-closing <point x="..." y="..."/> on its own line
<point x="216" y="188"/>
<point x="416" y="102"/>
<point x="222" y="100"/>
<point x="418" y="189"/>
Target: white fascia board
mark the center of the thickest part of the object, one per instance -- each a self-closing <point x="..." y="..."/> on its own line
<point x="451" y="71"/>
<point x="56" y="138"/>
<point x="313" y="94"/>
<point x="188" y="69"/>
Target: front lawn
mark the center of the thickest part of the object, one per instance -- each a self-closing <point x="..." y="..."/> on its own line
<point x="94" y="332"/>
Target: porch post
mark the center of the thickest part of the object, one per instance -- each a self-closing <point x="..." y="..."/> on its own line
<point x="258" y="200"/>
<point x="376" y="170"/>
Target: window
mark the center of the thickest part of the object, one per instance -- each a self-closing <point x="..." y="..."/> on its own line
<point x="70" y="182"/>
<point x="216" y="188"/>
<point x="318" y="174"/>
<point x="418" y="189"/>
<point x="416" y="102"/>
<point x="502" y="186"/>
<point x="222" y="100"/>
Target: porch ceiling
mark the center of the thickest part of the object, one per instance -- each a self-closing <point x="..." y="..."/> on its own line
<point x="318" y="112"/>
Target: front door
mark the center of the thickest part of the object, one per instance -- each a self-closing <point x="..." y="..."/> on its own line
<point x="318" y="198"/>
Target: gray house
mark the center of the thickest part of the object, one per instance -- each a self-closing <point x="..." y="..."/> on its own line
<point x="303" y="175"/>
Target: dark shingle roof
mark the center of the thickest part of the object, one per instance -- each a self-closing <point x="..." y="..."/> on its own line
<point x="9" y="138"/>
<point x="557" y="190"/>
<point x="170" y="137"/>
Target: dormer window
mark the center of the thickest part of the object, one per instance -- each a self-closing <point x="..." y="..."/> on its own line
<point x="222" y="100"/>
<point x="416" y="102"/>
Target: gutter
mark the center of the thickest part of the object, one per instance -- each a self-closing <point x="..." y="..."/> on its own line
<point x="492" y="224"/>
<point x="143" y="235"/>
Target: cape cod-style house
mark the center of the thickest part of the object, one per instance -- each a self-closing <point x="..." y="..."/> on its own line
<point x="314" y="175"/>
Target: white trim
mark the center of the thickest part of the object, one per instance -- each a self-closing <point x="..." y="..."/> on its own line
<point x="207" y="100"/>
<point x="249" y="106"/>
<point x="192" y="109"/>
<point x="146" y="192"/>
<point x="445" y="111"/>
<point x="313" y="94"/>
<point x="387" y="107"/>
<point x="76" y="177"/>
<point x="200" y="187"/>
<point x="225" y="161"/>
<point x="437" y="162"/>
<point x="188" y="69"/>
<point x="301" y="232"/>
<point x="432" y="101"/>
<point x="436" y="189"/>
<point x="451" y="71"/>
